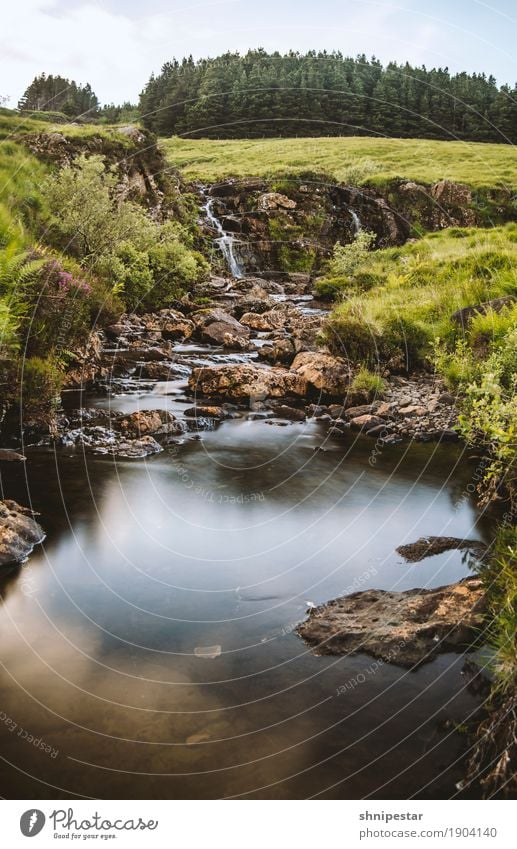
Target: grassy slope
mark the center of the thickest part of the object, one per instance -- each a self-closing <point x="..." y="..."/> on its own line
<point x="418" y="286"/>
<point x="346" y="159"/>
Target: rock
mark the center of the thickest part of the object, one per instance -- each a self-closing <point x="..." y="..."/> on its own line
<point x="465" y="315"/>
<point x="274" y="200"/>
<point x="324" y="373"/>
<point x="291" y="413"/>
<point x="175" y="326"/>
<point x="280" y="352"/>
<point x="270" y="320"/>
<point x="246" y="381"/>
<point x="362" y="410"/>
<point x="19" y="533"/>
<point x="414" y="552"/>
<point x="367" y="422"/>
<point x="144" y="422"/>
<point x="220" y="328"/>
<point x="449" y="194"/>
<point x="133" y="449"/>
<point x="412" y="410"/>
<point x="9" y="456"/>
<point x="206" y="412"/>
<point x="406" y="628"/>
<point x="163" y="371"/>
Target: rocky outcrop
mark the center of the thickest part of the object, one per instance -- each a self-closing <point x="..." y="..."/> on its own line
<point x="406" y="628"/>
<point x="19" y="533"/>
<point x="286" y="226"/>
<point x="139" y="164"/>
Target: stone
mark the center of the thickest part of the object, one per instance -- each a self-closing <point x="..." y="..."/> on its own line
<point x="406" y="628"/>
<point x="220" y="328"/>
<point x="366" y="422"/>
<point x="144" y="422"/>
<point x="213" y="412"/>
<point x="19" y="533"/>
<point x="325" y="374"/>
<point x="246" y="381"/>
<point x="270" y="201"/>
<point x="465" y="315"/>
<point x="424" y="547"/>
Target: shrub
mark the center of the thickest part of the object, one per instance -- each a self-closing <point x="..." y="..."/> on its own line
<point x="346" y="259"/>
<point x="145" y="262"/>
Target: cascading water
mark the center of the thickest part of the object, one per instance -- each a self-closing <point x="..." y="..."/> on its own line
<point x="224" y="241"/>
<point x="357" y="222"/>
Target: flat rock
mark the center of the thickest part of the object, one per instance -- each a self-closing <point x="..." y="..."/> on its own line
<point x="424" y="547"/>
<point x="19" y="533"/>
<point x="246" y="381"/>
<point x="406" y="628"/>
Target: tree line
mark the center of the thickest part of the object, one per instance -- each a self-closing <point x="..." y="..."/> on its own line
<point x="264" y="94"/>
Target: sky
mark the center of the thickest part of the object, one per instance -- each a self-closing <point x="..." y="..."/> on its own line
<point x="116" y="44"/>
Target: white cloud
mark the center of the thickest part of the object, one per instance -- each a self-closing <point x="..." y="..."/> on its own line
<point x="115" y="45"/>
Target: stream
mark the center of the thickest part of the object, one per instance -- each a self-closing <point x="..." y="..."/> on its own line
<point x="149" y="646"/>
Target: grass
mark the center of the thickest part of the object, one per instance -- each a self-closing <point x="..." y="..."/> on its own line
<point x="399" y="300"/>
<point x="356" y="160"/>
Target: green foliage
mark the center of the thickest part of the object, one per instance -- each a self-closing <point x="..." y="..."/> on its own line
<point x="500" y="578"/>
<point x="367" y="384"/>
<point x="145" y="262"/>
<point x="347" y="259"/>
<point x="489" y="415"/>
<point x="264" y="95"/>
<point x="40" y="385"/>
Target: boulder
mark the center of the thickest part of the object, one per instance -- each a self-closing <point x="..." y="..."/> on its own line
<point x="279" y="352"/>
<point x="270" y="320"/>
<point x="220" y="328"/>
<point x="325" y="374"/>
<point x="407" y="628"/>
<point x="144" y="422"/>
<point x="246" y="382"/>
<point x="19" y="533"/>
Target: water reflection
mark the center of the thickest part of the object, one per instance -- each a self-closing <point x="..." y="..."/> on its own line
<point x="150" y="640"/>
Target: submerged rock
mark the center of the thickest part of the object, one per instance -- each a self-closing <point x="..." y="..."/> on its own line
<point x="406" y="628"/>
<point x="19" y="533"/>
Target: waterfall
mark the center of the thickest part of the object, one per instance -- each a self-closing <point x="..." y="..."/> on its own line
<point x="224" y="241"/>
<point x="357" y="222"/>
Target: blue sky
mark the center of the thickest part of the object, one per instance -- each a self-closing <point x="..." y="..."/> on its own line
<point x="116" y="44"/>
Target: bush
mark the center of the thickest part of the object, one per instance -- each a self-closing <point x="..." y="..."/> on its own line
<point x="145" y="262"/>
